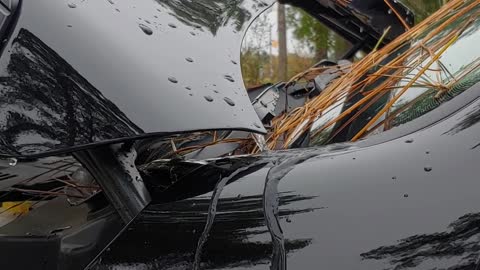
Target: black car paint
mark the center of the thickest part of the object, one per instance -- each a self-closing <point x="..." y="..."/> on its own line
<point x="340" y="207"/>
<point x="345" y="206"/>
<point x="409" y="201"/>
<point x="82" y="73"/>
<point x="77" y="74"/>
<point x="52" y="233"/>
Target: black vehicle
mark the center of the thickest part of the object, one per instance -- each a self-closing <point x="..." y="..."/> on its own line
<point x="128" y="140"/>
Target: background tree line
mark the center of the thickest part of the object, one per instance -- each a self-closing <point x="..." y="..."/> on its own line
<point x="286" y="40"/>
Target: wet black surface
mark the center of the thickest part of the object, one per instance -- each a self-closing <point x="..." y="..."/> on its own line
<point x="60" y="105"/>
<point x="405" y="203"/>
<point x="407" y="199"/>
<point x="470" y="119"/>
<point x="241" y="217"/>
<point x="43" y="225"/>
<point x="83" y="72"/>
<point x="460" y="240"/>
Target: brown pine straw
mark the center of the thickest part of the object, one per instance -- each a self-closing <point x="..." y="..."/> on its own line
<point x="393" y="76"/>
<point x="344" y="2"/>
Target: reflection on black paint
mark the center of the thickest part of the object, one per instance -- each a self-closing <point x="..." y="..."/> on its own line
<point x="470" y="120"/>
<point x="165" y="236"/>
<point x="46" y="103"/>
<point x="211" y="14"/>
<point x="64" y="227"/>
<point x="270" y="205"/>
<point x="176" y="180"/>
<point x="459" y="243"/>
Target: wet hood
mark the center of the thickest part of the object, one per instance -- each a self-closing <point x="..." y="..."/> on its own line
<point x="404" y="199"/>
<point x="78" y="73"/>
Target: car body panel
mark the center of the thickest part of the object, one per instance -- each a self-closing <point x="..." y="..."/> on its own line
<point x="406" y="202"/>
<point x="403" y="199"/>
<point x="78" y="74"/>
<point x="55" y="229"/>
<point x="84" y="72"/>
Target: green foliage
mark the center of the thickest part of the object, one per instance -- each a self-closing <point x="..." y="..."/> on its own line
<point x="321" y="40"/>
<point x="309" y="31"/>
<point x="259" y="66"/>
<point x="423" y="8"/>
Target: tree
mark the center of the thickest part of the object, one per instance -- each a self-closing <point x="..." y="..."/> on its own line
<point x="256" y="60"/>
<point x="311" y="32"/>
<point x="424" y="8"/>
<point x="282" y="43"/>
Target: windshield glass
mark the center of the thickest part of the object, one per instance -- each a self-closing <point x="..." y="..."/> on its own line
<point x="454" y="71"/>
<point x="414" y="74"/>
<point x="307" y="41"/>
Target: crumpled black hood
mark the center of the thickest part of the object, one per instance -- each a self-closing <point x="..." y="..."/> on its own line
<point x="79" y="73"/>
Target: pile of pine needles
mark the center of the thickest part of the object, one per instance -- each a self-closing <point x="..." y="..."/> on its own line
<point x="393" y="69"/>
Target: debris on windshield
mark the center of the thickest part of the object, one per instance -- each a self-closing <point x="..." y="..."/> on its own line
<point x="376" y="85"/>
<point x="339" y="101"/>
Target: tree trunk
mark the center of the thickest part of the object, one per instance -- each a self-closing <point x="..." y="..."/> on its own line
<point x="282" y="44"/>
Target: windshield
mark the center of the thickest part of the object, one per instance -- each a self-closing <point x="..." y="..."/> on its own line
<point x="308" y="41"/>
<point x="417" y="72"/>
<point x="454" y="71"/>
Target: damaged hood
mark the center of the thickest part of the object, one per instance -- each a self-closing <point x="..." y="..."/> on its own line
<point x="78" y="73"/>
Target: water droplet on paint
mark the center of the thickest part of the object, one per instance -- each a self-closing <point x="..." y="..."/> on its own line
<point x="208" y="98"/>
<point x="12" y="162"/>
<point x="229" y="101"/>
<point x="229" y="78"/>
<point x="147" y="30"/>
